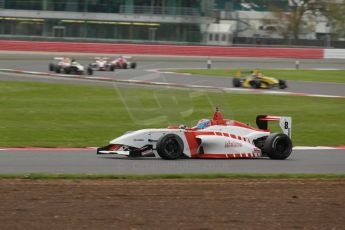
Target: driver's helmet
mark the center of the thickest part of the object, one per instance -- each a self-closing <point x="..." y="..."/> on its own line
<point x="203" y="123"/>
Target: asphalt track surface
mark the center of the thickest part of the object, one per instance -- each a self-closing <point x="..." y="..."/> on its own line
<point x="86" y="161"/>
<point x="147" y="67"/>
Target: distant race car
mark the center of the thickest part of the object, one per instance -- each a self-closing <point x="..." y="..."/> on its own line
<point x="67" y="66"/>
<point x="101" y="64"/>
<point x="215" y="138"/>
<point x="258" y="81"/>
<point x="122" y="62"/>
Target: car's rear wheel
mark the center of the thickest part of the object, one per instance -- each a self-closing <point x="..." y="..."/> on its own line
<point x="277" y="146"/>
<point x="170" y="147"/>
<point x="236" y="82"/>
<point x="133" y="65"/>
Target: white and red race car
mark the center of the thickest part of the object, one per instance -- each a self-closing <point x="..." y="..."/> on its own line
<point x="122" y="62"/>
<point x="101" y="64"/>
<point x="216" y="138"/>
<point x="67" y="66"/>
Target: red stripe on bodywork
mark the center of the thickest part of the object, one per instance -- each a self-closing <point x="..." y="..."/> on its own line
<point x="223" y="156"/>
<point x="243" y="125"/>
<point x="270" y="118"/>
<point x="114" y="147"/>
<point x="212" y="156"/>
<point x="193" y="142"/>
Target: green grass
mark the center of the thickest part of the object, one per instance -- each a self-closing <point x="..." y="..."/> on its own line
<point x="337" y="76"/>
<point x="56" y="115"/>
<point x="41" y="176"/>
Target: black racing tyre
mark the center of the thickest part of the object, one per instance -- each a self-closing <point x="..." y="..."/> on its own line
<point x="282" y="84"/>
<point x="277" y="146"/>
<point x="236" y="82"/>
<point x="170" y="147"/>
<point x="67" y="70"/>
<point x="57" y="69"/>
<point x="124" y="66"/>
<point x="51" y="67"/>
<point x="89" y="71"/>
<point x="112" y="68"/>
<point x="133" y="65"/>
<point x="256" y="84"/>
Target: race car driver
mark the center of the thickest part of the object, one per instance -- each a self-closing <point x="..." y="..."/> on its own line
<point x="202" y="124"/>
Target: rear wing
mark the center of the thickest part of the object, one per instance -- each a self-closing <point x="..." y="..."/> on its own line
<point x="285" y="123"/>
<point x="104" y="58"/>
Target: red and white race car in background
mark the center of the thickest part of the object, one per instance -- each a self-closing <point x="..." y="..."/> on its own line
<point x="219" y="138"/>
<point x="101" y="64"/>
<point x="122" y="62"/>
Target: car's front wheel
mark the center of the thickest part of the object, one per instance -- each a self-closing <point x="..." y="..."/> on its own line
<point x="51" y="67"/>
<point x="89" y="71"/>
<point x="277" y="146"/>
<point x="67" y="70"/>
<point x="236" y="82"/>
<point x="170" y="147"/>
<point x="282" y="84"/>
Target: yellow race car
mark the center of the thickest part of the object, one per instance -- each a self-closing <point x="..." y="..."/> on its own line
<point x="257" y="80"/>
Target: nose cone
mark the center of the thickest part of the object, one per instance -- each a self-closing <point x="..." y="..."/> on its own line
<point x="136" y="139"/>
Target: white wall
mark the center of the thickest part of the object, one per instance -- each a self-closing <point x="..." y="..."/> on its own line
<point x="334" y="53"/>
